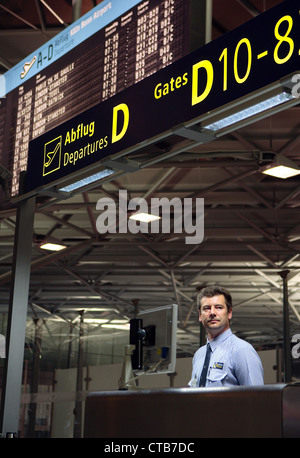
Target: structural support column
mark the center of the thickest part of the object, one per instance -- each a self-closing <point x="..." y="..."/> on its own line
<point x="79" y="383"/>
<point x="17" y="314"/>
<point x="35" y="373"/>
<point x="287" y="357"/>
<point x="76" y="9"/>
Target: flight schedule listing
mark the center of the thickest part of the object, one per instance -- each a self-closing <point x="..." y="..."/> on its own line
<point x="148" y="37"/>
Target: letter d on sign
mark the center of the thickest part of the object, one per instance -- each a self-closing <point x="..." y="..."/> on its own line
<point x="117" y="136"/>
<point x="207" y="66"/>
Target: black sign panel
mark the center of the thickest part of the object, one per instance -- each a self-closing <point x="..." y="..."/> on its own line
<point x="146" y="38"/>
<point x="249" y="58"/>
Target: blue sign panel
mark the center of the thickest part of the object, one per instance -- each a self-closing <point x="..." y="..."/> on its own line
<point x="98" y="18"/>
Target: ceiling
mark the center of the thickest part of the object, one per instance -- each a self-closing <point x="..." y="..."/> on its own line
<point x="251" y="223"/>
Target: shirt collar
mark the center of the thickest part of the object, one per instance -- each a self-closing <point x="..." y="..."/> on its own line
<point x="214" y="343"/>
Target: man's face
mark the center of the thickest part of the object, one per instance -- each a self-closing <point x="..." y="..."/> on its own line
<point x="214" y="315"/>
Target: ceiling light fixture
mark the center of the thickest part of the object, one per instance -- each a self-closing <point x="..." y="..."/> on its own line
<point x="47" y="242"/>
<point x="250" y="108"/>
<point x="248" y="112"/>
<point x="52" y="246"/>
<point x="87" y="180"/>
<point x="278" y="166"/>
<point x="144" y="217"/>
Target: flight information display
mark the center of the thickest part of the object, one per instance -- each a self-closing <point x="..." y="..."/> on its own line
<point x="139" y="42"/>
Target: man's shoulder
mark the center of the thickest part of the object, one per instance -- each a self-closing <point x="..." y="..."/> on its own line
<point x="240" y="343"/>
<point x="200" y="352"/>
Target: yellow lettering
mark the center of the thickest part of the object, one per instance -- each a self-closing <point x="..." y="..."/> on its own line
<point x="166" y="89"/>
<point x="161" y="90"/>
<point x="117" y="136"/>
<point x="157" y="91"/>
<point x="185" y="79"/>
<point x="207" y="65"/>
<point x="67" y="138"/>
<point x="66" y="159"/>
<point x="178" y="82"/>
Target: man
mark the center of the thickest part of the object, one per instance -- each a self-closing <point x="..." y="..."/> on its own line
<point x="231" y="360"/>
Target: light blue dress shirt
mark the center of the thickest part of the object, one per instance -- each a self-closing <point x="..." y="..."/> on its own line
<point x="233" y="362"/>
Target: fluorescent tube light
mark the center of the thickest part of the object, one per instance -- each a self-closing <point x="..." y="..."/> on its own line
<point x="144" y="217"/>
<point x="250" y="111"/>
<point x="86" y="181"/>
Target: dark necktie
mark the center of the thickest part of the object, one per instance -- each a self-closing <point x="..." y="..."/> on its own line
<point x="205" y="366"/>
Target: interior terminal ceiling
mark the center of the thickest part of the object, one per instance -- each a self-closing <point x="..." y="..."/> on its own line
<point x="251" y="221"/>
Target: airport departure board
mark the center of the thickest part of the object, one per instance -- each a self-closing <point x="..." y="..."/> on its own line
<point x="144" y="39"/>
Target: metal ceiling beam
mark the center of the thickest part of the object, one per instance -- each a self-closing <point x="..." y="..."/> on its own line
<point x="262" y="256"/>
<point x="250" y="300"/>
<point x="90" y="214"/>
<point x="255" y="194"/>
<point x="7" y="10"/>
<point x="45" y="260"/>
<point x="106" y="296"/>
<point x="249" y="145"/>
<point x="264" y="233"/>
<point x="40" y="14"/>
<point x="252" y="10"/>
<point x="291" y="144"/>
<point x="223" y="183"/>
<point x="68" y="224"/>
<point x="288" y="198"/>
<point x="162" y="180"/>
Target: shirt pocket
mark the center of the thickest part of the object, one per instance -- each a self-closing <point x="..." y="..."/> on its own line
<point x="216" y="377"/>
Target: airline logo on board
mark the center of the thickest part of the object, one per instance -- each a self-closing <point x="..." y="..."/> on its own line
<point x="27" y="66"/>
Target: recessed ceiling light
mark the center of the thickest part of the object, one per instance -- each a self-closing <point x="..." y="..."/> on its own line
<point x="144" y="217"/>
<point x="52" y="246"/>
<point x="280" y="167"/>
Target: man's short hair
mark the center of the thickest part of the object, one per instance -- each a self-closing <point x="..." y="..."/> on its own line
<point x="211" y="291"/>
